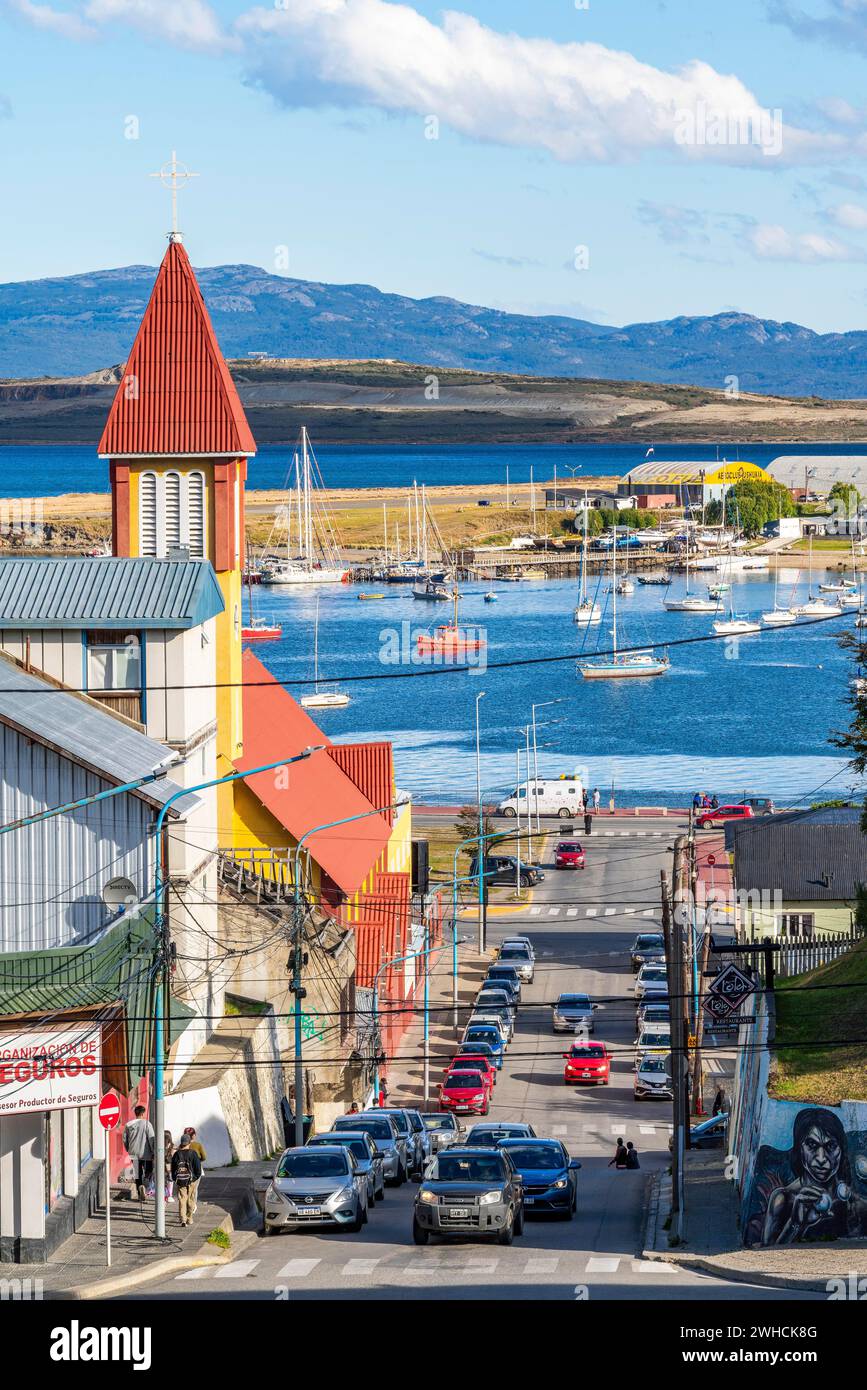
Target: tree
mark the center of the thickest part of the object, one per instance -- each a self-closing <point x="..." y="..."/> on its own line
<point x="854" y="739"/>
<point x="847" y="495"/>
<point x="752" y="503"/>
<point x="467" y="827"/>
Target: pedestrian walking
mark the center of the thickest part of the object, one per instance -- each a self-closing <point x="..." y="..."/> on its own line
<point x="197" y="1148"/>
<point x="619" y="1159"/>
<point x="584" y="800"/>
<point x="168" y="1151"/>
<point x="138" y="1140"/>
<point x="588" y="822"/>
<point x="596" y="798"/>
<point x="719" y="1102"/>
<point x="632" y="1156"/>
<point x="696" y="802"/>
<point x="186" y="1169"/>
<point x="353" y="1109"/>
<point x="383" y="1093"/>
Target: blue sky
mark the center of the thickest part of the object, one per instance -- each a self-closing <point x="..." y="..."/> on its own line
<point x="645" y="131"/>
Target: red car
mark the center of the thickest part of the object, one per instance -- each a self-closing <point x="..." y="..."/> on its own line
<point x="716" y="815"/>
<point x="475" y="1061"/>
<point x="587" y="1061"/>
<point x="569" y="855"/>
<point x="465" y="1091"/>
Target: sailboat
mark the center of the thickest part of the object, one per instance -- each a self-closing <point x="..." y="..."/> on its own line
<point x="617" y="666"/>
<point x="307" y="567"/>
<point x="449" y="639"/>
<point x="321" y="699"/>
<point x="587" y="613"/>
<point x="258" y="629"/>
<point x="780" y="617"/>
<point x="815" y="607"/>
<point x="625" y="586"/>
<point x="690" y="603"/>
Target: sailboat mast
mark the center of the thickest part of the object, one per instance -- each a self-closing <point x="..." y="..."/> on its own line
<point x="316" y="649"/>
<point x="614" y="592"/>
<point x="308" y="515"/>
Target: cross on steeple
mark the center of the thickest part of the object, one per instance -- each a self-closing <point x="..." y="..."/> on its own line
<point x="173" y="175"/>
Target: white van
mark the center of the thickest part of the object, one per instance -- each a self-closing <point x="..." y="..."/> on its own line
<point x="561" y="797"/>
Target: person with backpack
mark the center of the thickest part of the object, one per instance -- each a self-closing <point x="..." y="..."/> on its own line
<point x="186" y="1170"/>
<point x="197" y="1148"/>
<point x="632" y="1156"/>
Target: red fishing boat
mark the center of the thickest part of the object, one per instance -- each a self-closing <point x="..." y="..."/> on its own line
<point x="449" y="639"/>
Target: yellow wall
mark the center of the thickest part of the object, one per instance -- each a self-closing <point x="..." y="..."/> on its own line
<point x="828" y="917"/>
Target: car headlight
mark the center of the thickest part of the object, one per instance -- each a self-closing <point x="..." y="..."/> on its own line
<point x="480" y="1096"/>
<point x="561" y="1182"/>
<point x="425" y="1195"/>
<point x="487" y="1198"/>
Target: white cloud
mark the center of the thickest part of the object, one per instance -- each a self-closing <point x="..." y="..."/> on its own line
<point x="64" y="22"/>
<point x="850" y="215"/>
<point x="578" y="101"/>
<point x="771" y="242"/>
<point x="185" y="23"/>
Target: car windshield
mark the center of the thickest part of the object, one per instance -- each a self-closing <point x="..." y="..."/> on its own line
<point x="416" y="1124"/>
<point x="514" y="953"/>
<point x="491" y="1136"/>
<point x="452" y="1167"/>
<point x="590" y="1050"/>
<point x="569" y="849"/>
<point x="574" y="1001"/>
<point x="311" y="1164"/>
<point x="439" y="1122"/>
<point x="480" y="1035"/>
<point x="648" y="1039"/>
<point x="469" y="1080"/>
<point x="655" y="973"/>
<point x="479" y="1049"/>
<point x="536" y="1156"/>
<point x="645" y="943"/>
<point x="655" y="1064"/>
<point x="377" y="1129"/>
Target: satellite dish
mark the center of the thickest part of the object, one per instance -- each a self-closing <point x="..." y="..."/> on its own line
<point x="120" y="894"/>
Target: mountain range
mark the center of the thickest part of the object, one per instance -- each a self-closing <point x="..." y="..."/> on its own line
<point x="80" y="323"/>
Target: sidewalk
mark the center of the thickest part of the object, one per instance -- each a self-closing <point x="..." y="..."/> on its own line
<point x="405" y="1076"/>
<point x="712" y="1238"/>
<point x="78" y="1269"/>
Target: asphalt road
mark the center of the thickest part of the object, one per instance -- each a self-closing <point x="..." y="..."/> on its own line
<point x="581" y="924"/>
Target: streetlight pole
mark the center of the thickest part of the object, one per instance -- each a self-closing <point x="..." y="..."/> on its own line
<point x="480" y="859"/>
<point x="161" y="997"/>
<point x="480" y="696"/>
<point x="540" y="704"/>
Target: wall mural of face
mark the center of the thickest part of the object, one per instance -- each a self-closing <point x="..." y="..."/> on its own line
<point x="807" y="1191"/>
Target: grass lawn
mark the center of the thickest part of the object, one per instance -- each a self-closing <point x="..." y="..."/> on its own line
<point x="830" y="1074"/>
<point x="822" y="543"/>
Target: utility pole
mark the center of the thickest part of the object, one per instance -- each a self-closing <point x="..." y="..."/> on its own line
<point x="674" y="969"/>
<point x="297" y="961"/>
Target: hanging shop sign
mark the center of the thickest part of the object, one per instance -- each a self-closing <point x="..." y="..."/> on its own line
<point x="50" y="1068"/>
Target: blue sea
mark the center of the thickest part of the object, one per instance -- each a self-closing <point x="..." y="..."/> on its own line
<point x="48" y="470"/>
<point x="752" y="716"/>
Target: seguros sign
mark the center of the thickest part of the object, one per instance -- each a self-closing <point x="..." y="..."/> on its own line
<point x="50" y="1068"/>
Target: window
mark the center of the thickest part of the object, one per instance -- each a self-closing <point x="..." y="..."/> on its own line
<point x="113" y="661"/>
<point x="53" y="1164"/>
<point x="148" y="514"/>
<point x="85" y="1136"/>
<point x="797" y="923"/>
<point x="172" y="511"/>
<point x="196" y="514"/>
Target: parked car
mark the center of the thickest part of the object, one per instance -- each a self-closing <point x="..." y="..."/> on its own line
<point x="469" y="1191"/>
<point x="650" y="1013"/>
<point x="422" y="1138"/>
<point x="442" y="1129"/>
<point x="481" y="1049"/>
<point x="548" y="1175"/>
<point x="465" y="1093"/>
<point x="707" y="1134"/>
<point x="647" y="946"/>
<point x="367" y="1156"/>
<point x="586" y="1061"/>
<point x="472" y="1061"/>
<point x="490" y="1134"/>
<point x="505" y="975"/>
<point x="505" y="869"/>
<point x="491" y="1016"/>
<point x="504" y="1012"/>
<point x="486" y="1033"/>
<point x="519" y="941"/>
<point x="719" y="815"/>
<point x="656" y="1038"/>
<point x="511" y="988"/>
<point x="574" y="1011"/>
<point x="569" y="855"/>
<point x="315" y="1187"/>
<point x="387" y="1138"/>
<point x="651" y="982"/>
<point x="519" y="955"/>
<point x="652" y="1080"/>
<point x="495" y="997"/>
<point x="415" y="1145"/>
<point x="468" y="1069"/>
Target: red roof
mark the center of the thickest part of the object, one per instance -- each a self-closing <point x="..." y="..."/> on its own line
<point x="370" y="766"/>
<point x="370" y="951"/>
<point x="311" y="792"/>
<point x="176" y="395"/>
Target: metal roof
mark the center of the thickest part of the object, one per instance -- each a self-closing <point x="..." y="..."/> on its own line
<point x="808" y="856"/>
<point x="107" y="592"/>
<point x="701" y="471"/>
<point x="176" y="395"/>
<point x="821" y="471"/>
<point x="77" y="729"/>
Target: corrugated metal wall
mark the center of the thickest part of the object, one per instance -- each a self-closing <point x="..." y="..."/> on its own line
<point x="52" y="874"/>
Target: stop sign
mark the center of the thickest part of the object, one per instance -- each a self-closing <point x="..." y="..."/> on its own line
<point x="109" y="1110"/>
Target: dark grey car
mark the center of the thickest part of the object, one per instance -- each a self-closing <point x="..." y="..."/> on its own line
<point x="647" y="946"/>
<point x="386" y="1136"/>
<point x="466" y="1192"/>
<point x="367" y="1157"/>
<point x="415" y="1143"/>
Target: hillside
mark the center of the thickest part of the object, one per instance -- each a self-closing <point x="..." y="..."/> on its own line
<point x="77" y="324"/>
<point x="388" y="402"/>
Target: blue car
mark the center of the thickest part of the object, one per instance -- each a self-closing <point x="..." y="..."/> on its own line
<point x="487" y="1033"/>
<point x="548" y="1174"/>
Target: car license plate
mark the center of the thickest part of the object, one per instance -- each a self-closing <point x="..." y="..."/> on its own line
<point x="312" y="1211"/>
<point x="586" y="1073"/>
<point x="459" y="1213"/>
<point x="528" y="1201"/>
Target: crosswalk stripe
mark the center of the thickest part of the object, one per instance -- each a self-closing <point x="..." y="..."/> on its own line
<point x="534" y="911"/>
<point x="238" y="1269"/>
<point x="648" y="912"/>
<point x="602" y="1264"/>
<point x="195" y="1273"/>
<point x="630" y="910"/>
<point x="609" y="832"/>
<point x="571" y="912"/>
<point x="647" y="1129"/>
<point x="297" y="1269"/>
<point x="540" y="1266"/>
<point x="591" y="912"/>
<point x="553" y="912"/>
<point x="610" y="911"/>
<point x="359" y="1266"/>
<point x="624" y="832"/>
<point x="481" y="1266"/>
<point x="558" y="1129"/>
<point x="653" y="1267"/>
